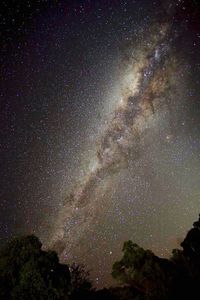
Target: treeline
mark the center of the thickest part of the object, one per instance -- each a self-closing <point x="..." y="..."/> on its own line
<point x="28" y="272"/>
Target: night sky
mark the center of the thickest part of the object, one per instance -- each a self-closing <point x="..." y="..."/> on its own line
<point x="100" y="126"/>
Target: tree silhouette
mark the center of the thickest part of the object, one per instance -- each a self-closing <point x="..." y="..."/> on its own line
<point x="27" y="272"/>
<point x="81" y="285"/>
<point x="158" y="278"/>
<point x="143" y="270"/>
<point x="188" y="264"/>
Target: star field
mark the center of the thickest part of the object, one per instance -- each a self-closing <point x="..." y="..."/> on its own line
<point x="100" y="126"/>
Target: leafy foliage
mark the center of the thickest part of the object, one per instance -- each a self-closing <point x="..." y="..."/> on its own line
<point x="143" y="270"/>
<point x="158" y="278"/>
<point x="27" y="272"/>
